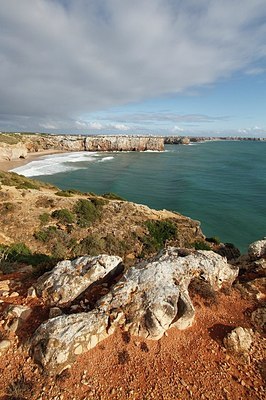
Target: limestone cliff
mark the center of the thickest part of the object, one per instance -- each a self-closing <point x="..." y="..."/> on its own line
<point x="15" y="146"/>
<point x="124" y="143"/>
<point x="10" y="152"/>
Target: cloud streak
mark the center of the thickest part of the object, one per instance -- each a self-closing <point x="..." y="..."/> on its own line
<point x="62" y="59"/>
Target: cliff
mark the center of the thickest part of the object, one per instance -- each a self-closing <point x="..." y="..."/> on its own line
<point x="124" y="143"/>
<point x="15" y="146"/>
<point x="10" y="152"/>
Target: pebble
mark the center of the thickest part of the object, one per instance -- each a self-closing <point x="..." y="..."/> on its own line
<point x="14" y="294"/>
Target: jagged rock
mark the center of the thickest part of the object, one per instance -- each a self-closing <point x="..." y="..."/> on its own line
<point x="239" y="340"/>
<point x="257" y="249"/>
<point x="70" y="278"/>
<point x="15" y="315"/>
<point x="259" y="318"/>
<point x="147" y="301"/>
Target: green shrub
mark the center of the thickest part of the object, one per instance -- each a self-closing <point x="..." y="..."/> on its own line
<point x="112" y="196"/>
<point x="201" y="246"/>
<point x="46" y="234"/>
<point x="64" y="216"/>
<point x="213" y="239"/>
<point x="86" y="212"/>
<point x="115" y="246"/>
<point x="44" y="218"/>
<point x="92" y="245"/>
<point x="64" y="193"/>
<point x="159" y="233"/>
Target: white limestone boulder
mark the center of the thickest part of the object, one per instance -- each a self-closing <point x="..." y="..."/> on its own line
<point x="69" y="279"/>
<point x="149" y="299"/>
<point x="257" y="249"/>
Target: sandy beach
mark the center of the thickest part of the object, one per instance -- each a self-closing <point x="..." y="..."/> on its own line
<point x="8" y="165"/>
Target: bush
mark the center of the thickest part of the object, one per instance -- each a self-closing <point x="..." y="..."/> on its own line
<point x="64" y="216"/>
<point x="64" y="193"/>
<point x="44" y="218"/>
<point x="201" y="246"/>
<point x="86" y="212"/>
<point x="46" y="234"/>
<point x="19" y="252"/>
<point x="214" y="240"/>
<point x="112" y="196"/>
<point x="92" y="245"/>
<point x="159" y="233"/>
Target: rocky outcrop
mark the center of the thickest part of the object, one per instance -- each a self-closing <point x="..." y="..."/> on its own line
<point x="149" y="299"/>
<point x="70" y="278"/>
<point x="123" y="143"/>
<point x="10" y="152"/>
<point x="257" y="249"/>
<point x="239" y="340"/>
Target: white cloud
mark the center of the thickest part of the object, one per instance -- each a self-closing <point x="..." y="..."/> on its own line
<point x="177" y="129"/>
<point x="60" y="62"/>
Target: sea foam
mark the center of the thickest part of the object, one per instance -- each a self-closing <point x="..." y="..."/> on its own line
<point x="56" y="163"/>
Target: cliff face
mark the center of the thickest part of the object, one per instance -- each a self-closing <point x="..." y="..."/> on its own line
<point x="23" y="144"/>
<point x="123" y="143"/>
<point x="10" y="152"/>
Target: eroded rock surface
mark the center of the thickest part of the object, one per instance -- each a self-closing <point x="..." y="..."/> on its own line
<point x="257" y="249"/>
<point x="70" y="278"/>
<point x="147" y="301"/>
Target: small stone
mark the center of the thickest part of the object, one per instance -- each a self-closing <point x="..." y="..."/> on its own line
<point x="55" y="312"/>
<point x="14" y="294"/>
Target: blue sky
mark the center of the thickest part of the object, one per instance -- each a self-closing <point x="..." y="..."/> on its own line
<point x="166" y="67"/>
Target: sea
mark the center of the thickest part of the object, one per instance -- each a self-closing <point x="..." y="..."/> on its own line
<point x="222" y="184"/>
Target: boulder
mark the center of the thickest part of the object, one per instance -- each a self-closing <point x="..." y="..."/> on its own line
<point x="257" y="249"/>
<point x="239" y="340"/>
<point x="149" y="299"/>
<point x="69" y="279"/>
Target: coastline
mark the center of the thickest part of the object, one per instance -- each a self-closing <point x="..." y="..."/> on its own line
<point x="7" y="165"/>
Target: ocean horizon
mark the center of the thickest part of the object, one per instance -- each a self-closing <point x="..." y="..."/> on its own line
<point x="221" y="184"/>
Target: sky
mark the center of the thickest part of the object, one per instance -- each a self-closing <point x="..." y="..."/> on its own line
<point x="162" y="67"/>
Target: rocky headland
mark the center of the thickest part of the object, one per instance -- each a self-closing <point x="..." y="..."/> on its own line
<point x="15" y="146"/>
<point x="101" y="298"/>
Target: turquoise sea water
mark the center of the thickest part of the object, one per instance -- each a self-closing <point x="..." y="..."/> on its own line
<point x="221" y="184"/>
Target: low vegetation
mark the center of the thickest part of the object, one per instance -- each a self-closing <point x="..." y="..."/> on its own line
<point x="64" y="216"/>
<point x="9" y="138"/>
<point x="87" y="212"/>
<point x="201" y="245"/>
<point x="20" y="253"/>
<point x="21" y="182"/>
<point x="159" y="232"/>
